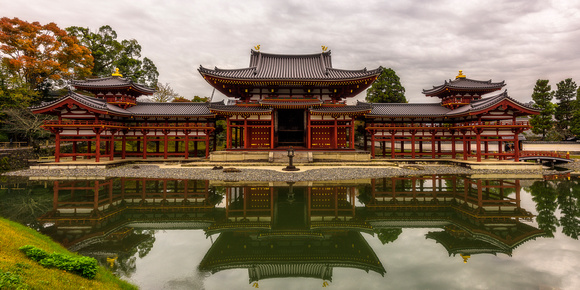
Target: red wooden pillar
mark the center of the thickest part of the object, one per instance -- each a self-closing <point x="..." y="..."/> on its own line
<point x="246" y="135"/>
<point x="206" y="144"/>
<point x="465" y="149"/>
<point x="335" y="133"/>
<point x="228" y="134"/>
<point x="478" y="144"/>
<point x="392" y="144"/>
<point x="352" y="133"/>
<point x="112" y="146"/>
<point x="499" y="149"/>
<point x="123" y="146"/>
<point x="57" y="147"/>
<point x="186" y="146"/>
<point x="272" y="132"/>
<point x="144" y="145"/>
<point x="433" y="144"/>
<point x="98" y="146"/>
<point x="372" y="144"/>
<point x="308" y="131"/>
<point x="453" y="153"/>
<point x="413" y="143"/>
<point x="165" y="143"/>
<point x="516" y="147"/>
<point x="74" y="149"/>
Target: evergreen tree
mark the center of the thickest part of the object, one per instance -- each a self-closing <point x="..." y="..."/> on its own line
<point x="386" y="89"/>
<point x="566" y="95"/>
<point x="542" y="97"/>
<point x="575" y="124"/>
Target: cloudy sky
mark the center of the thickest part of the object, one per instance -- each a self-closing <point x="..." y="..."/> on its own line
<point x="425" y="42"/>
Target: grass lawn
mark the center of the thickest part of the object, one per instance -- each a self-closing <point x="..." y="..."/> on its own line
<point x="19" y="272"/>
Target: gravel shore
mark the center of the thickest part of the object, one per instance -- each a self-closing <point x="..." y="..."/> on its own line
<point x="257" y="174"/>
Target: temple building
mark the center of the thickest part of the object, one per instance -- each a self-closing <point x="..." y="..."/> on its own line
<point x="290" y="100"/>
<point x="283" y="101"/>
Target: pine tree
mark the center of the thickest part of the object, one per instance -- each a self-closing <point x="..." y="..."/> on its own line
<point x="386" y="89"/>
<point x="542" y="97"/>
<point x="566" y="95"/>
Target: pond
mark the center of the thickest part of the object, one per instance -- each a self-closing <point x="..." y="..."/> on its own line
<point x="422" y="232"/>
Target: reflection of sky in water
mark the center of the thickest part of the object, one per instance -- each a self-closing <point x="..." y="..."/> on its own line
<point x="412" y="262"/>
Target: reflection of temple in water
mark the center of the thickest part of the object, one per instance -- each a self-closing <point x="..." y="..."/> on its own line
<point x="293" y="230"/>
<point x="476" y="215"/>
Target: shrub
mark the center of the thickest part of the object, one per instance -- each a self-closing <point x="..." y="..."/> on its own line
<point x="82" y="266"/>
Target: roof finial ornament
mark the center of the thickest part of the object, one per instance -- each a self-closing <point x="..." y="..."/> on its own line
<point x="117" y="73"/>
<point x="324" y="48"/>
<point x="257" y="47"/>
<point x="460" y="75"/>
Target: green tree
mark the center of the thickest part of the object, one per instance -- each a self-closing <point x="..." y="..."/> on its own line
<point x="575" y="124"/>
<point x="198" y="99"/>
<point x="542" y="97"/>
<point x="386" y="89"/>
<point x="566" y="96"/>
<point x="109" y="54"/>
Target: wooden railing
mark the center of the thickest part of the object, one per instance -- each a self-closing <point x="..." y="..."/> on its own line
<point x="81" y="123"/>
<point x="545" y="154"/>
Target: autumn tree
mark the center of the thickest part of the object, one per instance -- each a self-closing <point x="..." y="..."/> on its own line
<point x="181" y="99"/>
<point x="542" y="97"/>
<point x="386" y="89"/>
<point x="198" y="99"/>
<point x="566" y="96"/>
<point x="38" y="57"/>
<point x="110" y="53"/>
<point x="164" y="93"/>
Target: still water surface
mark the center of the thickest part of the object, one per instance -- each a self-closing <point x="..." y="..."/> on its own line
<point x="428" y="232"/>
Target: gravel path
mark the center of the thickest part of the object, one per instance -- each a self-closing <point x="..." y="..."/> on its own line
<point x="253" y="174"/>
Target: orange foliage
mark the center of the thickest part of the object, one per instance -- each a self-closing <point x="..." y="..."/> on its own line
<point x="35" y="53"/>
<point x="180" y="100"/>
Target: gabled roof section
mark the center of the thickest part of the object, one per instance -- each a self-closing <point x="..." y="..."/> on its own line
<point x="359" y="109"/>
<point x="112" y="82"/>
<point x="489" y="102"/>
<point x="465" y="85"/>
<point x="90" y="103"/>
<point x="408" y="110"/>
<point x="239" y="110"/>
<point x="188" y="109"/>
<point x="267" y="66"/>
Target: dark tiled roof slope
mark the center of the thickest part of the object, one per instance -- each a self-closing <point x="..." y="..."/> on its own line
<point x="170" y="109"/>
<point x="111" y="82"/>
<point x="410" y="110"/>
<point x="91" y="102"/>
<point x="266" y="66"/>
<point x="465" y="84"/>
<point x="240" y="109"/>
<point x="360" y="107"/>
<point x="486" y="103"/>
<point x="436" y="110"/>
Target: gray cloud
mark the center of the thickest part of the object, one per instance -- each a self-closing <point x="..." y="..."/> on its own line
<point x="425" y="42"/>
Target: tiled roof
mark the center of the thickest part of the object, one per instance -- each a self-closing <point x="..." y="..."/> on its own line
<point x="290" y="103"/>
<point x="266" y="66"/>
<point x="92" y="102"/>
<point x="486" y="103"/>
<point x="410" y="110"/>
<point x="239" y="109"/>
<point x="465" y="84"/>
<point x="170" y="109"/>
<point x="359" y="108"/>
<point x="111" y="82"/>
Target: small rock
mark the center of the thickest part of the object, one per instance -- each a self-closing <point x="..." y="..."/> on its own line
<point x="231" y="169"/>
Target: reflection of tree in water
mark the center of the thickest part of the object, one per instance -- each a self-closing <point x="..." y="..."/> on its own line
<point x="25" y="201"/>
<point x="545" y="197"/>
<point x="125" y="265"/>
<point x="568" y="193"/>
<point x="558" y="194"/>
<point x="388" y="235"/>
